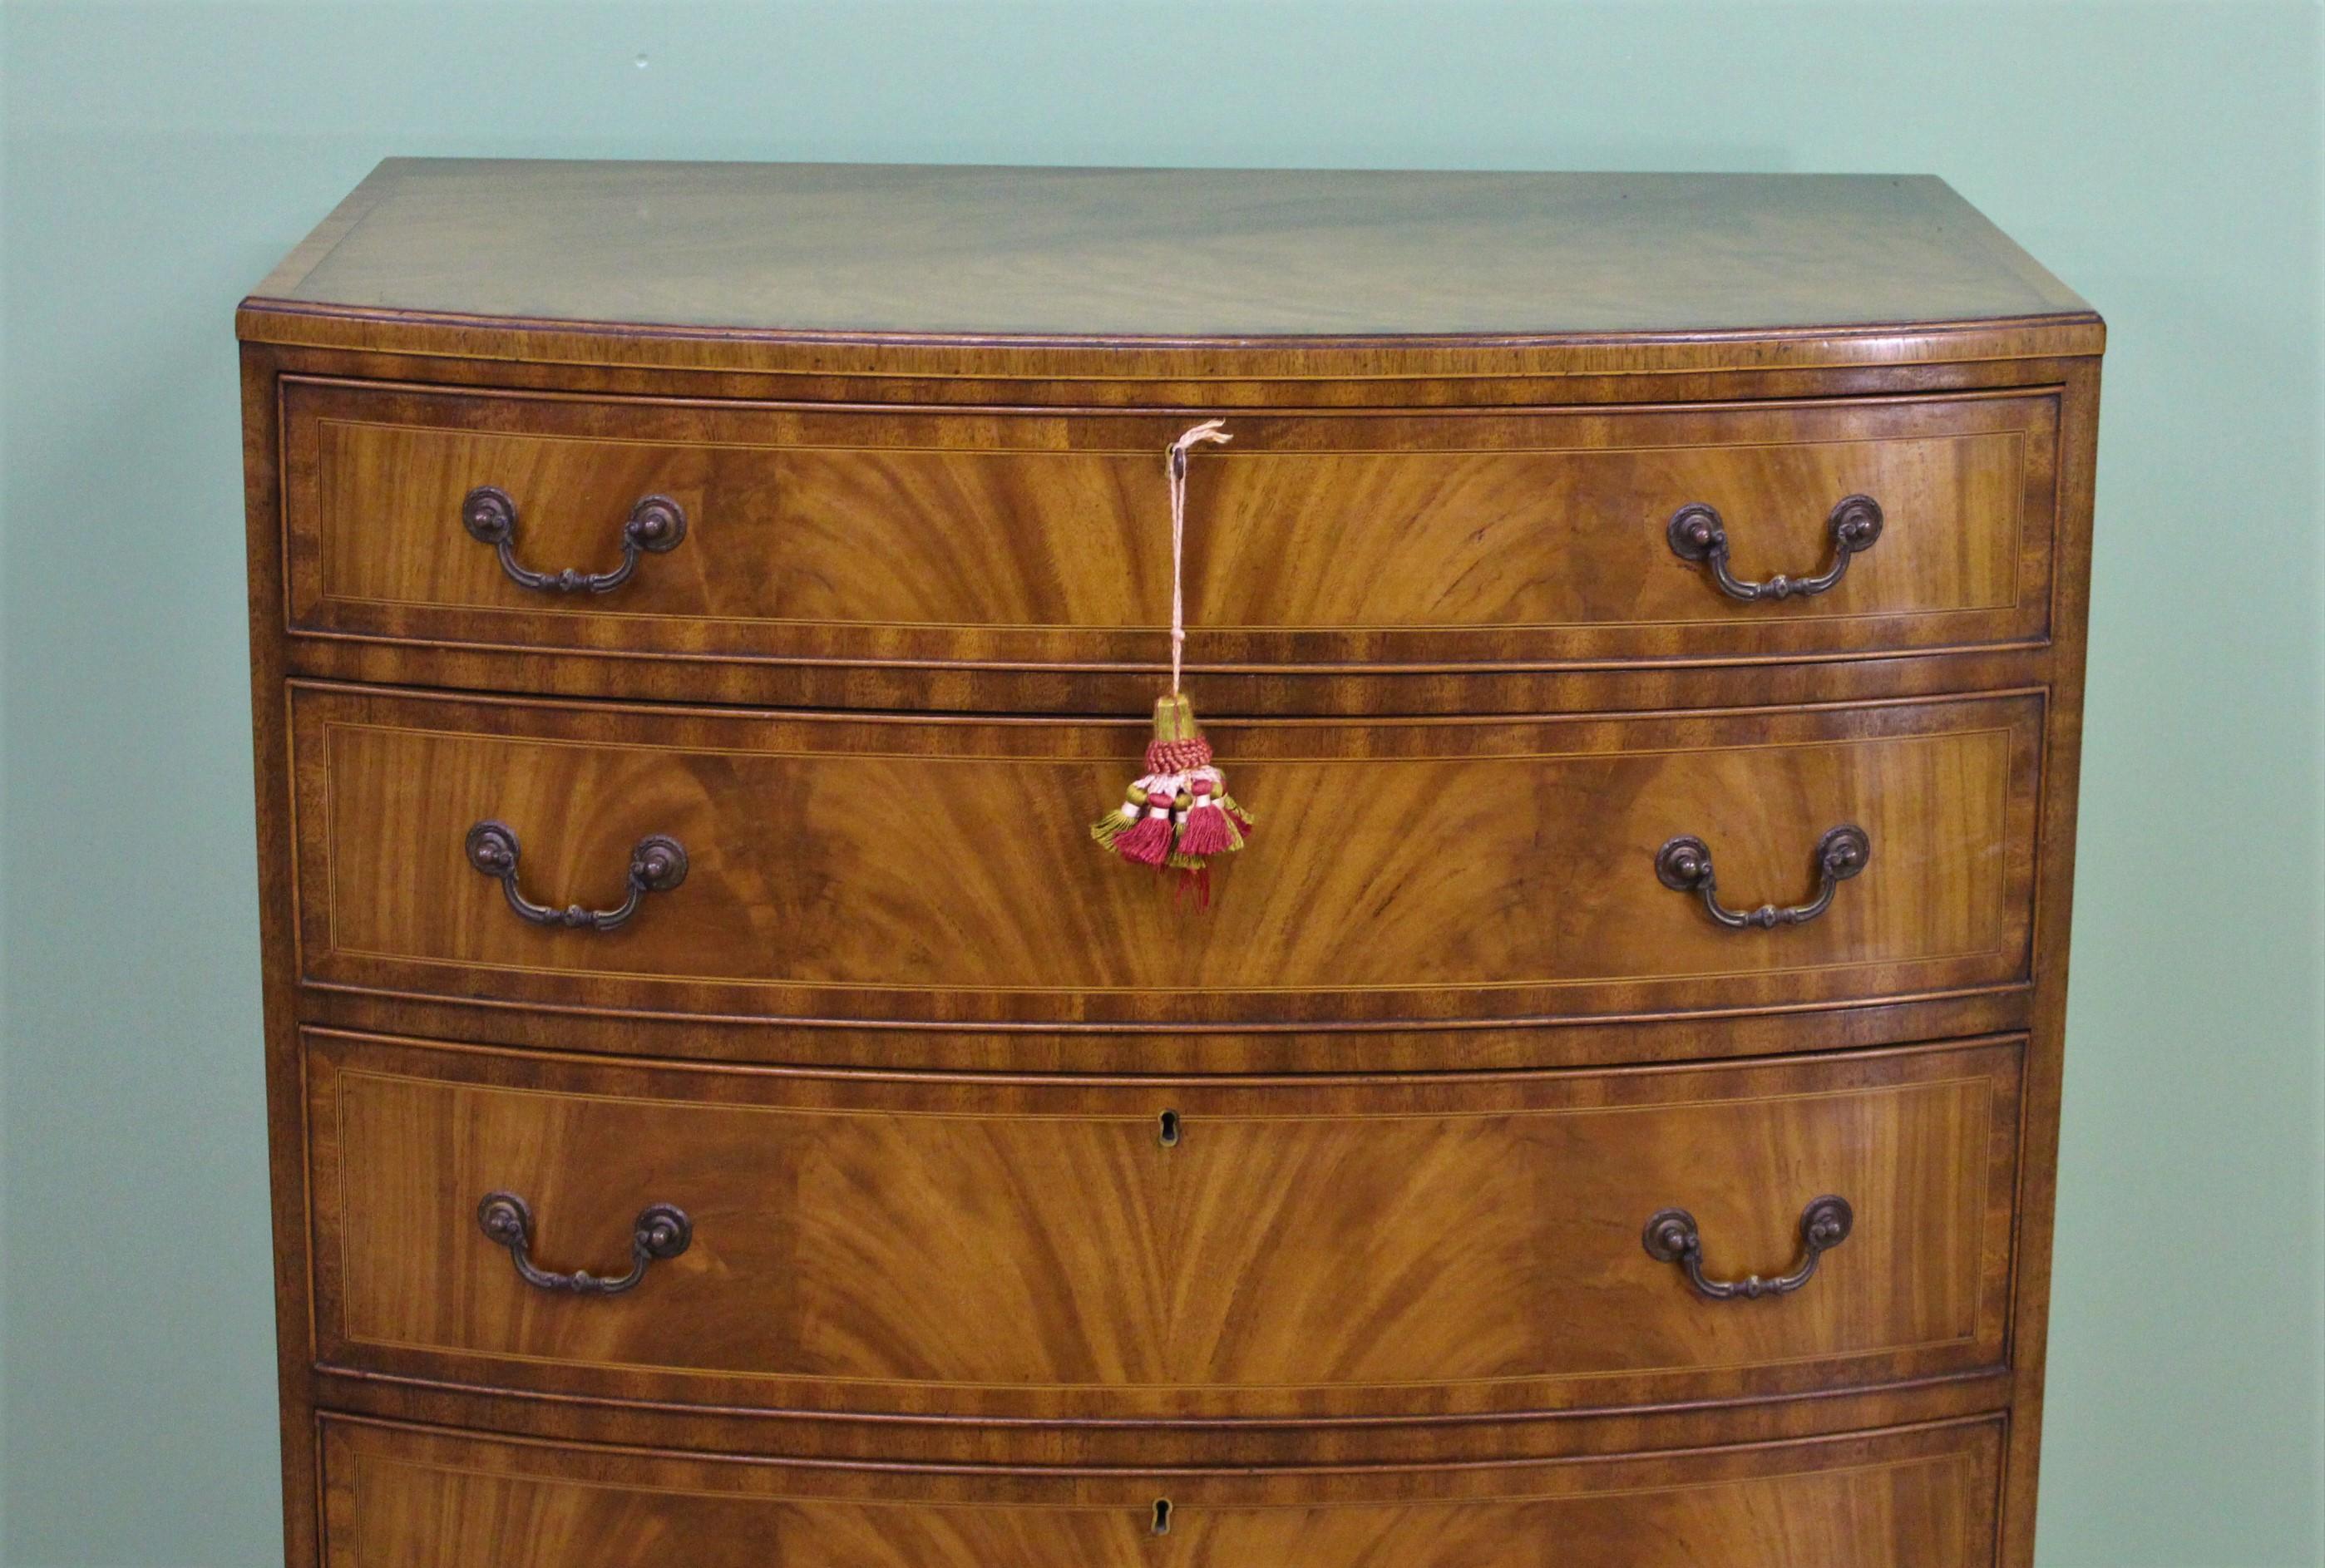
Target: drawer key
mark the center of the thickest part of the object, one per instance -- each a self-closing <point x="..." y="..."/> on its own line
<point x="662" y="1230"/>
<point x="1672" y="1237"/>
<point x="1697" y="534"/>
<point x="657" y="524"/>
<point x="1684" y="865"/>
<point x="657" y="864"/>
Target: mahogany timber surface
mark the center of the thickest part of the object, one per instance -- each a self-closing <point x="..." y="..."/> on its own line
<point x="1030" y="1248"/>
<point x="707" y="262"/>
<point x="935" y="538"/>
<point x="1749" y="295"/>
<point x="923" y="869"/>
<point x="404" y="1497"/>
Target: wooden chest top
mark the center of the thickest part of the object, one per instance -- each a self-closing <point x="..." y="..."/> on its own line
<point x="1239" y="262"/>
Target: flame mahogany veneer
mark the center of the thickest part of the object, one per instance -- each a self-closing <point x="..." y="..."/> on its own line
<point x="725" y="1111"/>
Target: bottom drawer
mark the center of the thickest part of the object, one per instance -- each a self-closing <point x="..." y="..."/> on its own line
<point x="401" y="1497"/>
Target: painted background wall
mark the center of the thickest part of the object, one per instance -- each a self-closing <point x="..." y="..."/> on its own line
<point x="2163" y="157"/>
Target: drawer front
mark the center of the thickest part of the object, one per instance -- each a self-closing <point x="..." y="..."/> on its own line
<point x="1059" y="1249"/>
<point x="941" y="870"/>
<point x="399" y="1497"/>
<point x="1017" y="539"/>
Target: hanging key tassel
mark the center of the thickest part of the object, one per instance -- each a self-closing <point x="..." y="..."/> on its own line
<point x="1177" y="815"/>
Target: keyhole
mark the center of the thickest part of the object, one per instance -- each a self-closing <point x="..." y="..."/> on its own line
<point x="1162" y="1511"/>
<point x="1168" y="1131"/>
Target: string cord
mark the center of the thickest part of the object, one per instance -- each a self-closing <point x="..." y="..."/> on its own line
<point x="1208" y="430"/>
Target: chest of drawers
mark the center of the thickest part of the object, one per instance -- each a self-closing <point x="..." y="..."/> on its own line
<point x="725" y="1111"/>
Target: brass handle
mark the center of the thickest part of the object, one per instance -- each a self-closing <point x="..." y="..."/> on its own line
<point x="1697" y="534"/>
<point x="1685" y="864"/>
<point x="656" y="524"/>
<point x="662" y="1230"/>
<point x="657" y="864"/>
<point x="1672" y="1237"/>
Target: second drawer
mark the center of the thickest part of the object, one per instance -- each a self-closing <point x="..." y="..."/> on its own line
<point x="1163" y="1250"/>
<point x="939" y="870"/>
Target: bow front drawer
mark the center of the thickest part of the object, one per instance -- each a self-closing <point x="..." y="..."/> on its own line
<point x="399" y="1497"/>
<point x="690" y="531"/>
<point x="1171" y="1249"/>
<point x="785" y="866"/>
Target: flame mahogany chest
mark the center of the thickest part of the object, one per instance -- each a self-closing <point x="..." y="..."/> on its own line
<point x="725" y="1110"/>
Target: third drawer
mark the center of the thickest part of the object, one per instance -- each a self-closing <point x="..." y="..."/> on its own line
<point x="1170" y="1249"/>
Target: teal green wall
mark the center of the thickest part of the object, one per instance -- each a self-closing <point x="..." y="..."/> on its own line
<point x="2163" y="157"/>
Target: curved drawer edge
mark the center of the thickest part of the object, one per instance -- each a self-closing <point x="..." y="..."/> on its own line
<point x="1912" y="1497"/>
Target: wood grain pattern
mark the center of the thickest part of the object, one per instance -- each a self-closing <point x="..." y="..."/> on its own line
<point x="406" y="1497"/>
<point x="1343" y="379"/>
<point x="1176" y="253"/>
<point x="921" y="537"/>
<point x="1485" y="687"/>
<point x="2061" y="761"/>
<point x="1484" y="916"/>
<point x="1066" y="272"/>
<point x="278" y="939"/>
<point x="938" y="869"/>
<point x="1145" y="1445"/>
<point x="1030" y="1249"/>
<point x="1418" y="1044"/>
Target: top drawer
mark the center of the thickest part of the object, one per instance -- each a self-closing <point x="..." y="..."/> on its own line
<point x="1020" y="540"/>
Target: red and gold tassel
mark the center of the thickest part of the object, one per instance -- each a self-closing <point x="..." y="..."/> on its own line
<point x="1177" y="815"/>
